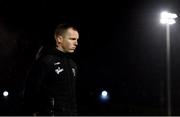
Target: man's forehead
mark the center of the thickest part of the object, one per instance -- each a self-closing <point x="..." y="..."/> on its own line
<point x="72" y="33"/>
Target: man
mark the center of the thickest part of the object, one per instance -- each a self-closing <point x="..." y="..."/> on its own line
<point x="50" y="88"/>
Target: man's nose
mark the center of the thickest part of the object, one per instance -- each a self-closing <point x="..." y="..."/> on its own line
<point x="76" y="43"/>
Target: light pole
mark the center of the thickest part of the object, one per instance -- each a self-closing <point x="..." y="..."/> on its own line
<point x="168" y="19"/>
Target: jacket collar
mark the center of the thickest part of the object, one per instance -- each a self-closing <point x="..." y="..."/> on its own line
<point x="59" y="53"/>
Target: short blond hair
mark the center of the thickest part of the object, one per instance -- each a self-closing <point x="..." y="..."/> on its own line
<point x="62" y="28"/>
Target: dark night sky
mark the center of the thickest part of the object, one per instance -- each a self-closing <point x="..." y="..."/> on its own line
<point x="122" y="49"/>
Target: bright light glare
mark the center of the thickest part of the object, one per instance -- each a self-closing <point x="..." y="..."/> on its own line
<point x="168" y="18"/>
<point x="167" y="21"/>
<point x="5" y="93"/>
<point x="104" y="93"/>
<point x="167" y="15"/>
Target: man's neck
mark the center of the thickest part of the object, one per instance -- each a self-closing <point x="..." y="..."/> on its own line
<point x="60" y="49"/>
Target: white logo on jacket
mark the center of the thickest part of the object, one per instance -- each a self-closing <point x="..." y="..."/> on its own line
<point x="59" y="70"/>
<point x="57" y="63"/>
<point x="74" y="72"/>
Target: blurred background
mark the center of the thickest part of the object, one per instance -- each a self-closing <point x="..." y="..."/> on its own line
<point x="121" y="54"/>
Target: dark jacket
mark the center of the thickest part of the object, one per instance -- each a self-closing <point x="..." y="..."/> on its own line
<point x="50" y="88"/>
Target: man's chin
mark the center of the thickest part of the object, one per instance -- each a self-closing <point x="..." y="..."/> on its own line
<point x="71" y="51"/>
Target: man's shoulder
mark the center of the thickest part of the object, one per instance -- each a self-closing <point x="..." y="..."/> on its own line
<point x="48" y="59"/>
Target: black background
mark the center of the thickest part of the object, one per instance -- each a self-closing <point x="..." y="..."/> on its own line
<point x="122" y="49"/>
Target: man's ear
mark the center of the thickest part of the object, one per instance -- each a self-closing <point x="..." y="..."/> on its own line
<point x="59" y="39"/>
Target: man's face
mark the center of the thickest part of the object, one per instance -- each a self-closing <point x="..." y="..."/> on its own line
<point x="69" y="41"/>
